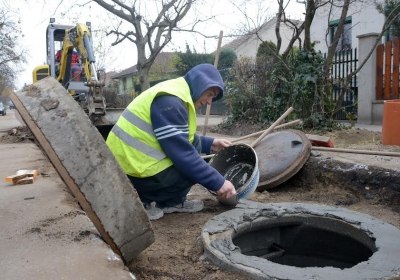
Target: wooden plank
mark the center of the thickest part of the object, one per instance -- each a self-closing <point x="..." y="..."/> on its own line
<point x="20" y="174"/>
<point x="388" y="70"/>
<point x="24" y="181"/>
<point x="379" y="72"/>
<point x="15" y="178"/>
<point x="395" y="71"/>
<point x="355" y="151"/>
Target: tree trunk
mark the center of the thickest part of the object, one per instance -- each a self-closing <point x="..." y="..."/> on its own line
<point x="339" y="31"/>
<point x="148" y="33"/>
<point x="331" y="53"/>
<point x="310" y="12"/>
<point x="143" y="67"/>
<point x="144" y="78"/>
<point x="277" y="27"/>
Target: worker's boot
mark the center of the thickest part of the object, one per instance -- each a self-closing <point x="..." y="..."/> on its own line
<point x="188" y="206"/>
<point x="153" y="213"/>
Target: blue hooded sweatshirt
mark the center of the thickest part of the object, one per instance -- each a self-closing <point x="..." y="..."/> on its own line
<point x="202" y="77"/>
<point x="169" y="113"/>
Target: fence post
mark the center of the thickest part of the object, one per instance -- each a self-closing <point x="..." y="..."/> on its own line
<point x="366" y="78"/>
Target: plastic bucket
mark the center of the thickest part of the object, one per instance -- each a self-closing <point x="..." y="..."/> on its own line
<point x="391" y="122"/>
<point x="238" y="164"/>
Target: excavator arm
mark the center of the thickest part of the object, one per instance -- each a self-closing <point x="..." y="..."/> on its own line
<point x="82" y="83"/>
<point x="79" y="38"/>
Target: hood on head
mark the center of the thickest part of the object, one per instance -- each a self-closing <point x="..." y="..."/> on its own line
<point x="202" y="77"/>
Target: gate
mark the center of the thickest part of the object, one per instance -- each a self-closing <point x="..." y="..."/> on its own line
<point x="345" y="62"/>
<point x="387" y="70"/>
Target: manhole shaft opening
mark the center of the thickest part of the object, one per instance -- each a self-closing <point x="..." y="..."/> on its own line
<point x="305" y="241"/>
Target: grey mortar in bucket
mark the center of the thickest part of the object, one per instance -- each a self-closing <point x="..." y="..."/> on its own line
<point x="239" y="165"/>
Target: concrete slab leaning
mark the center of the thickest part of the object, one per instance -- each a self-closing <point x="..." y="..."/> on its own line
<point x="84" y="162"/>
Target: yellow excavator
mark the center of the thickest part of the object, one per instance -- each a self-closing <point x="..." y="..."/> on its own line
<point x="70" y="60"/>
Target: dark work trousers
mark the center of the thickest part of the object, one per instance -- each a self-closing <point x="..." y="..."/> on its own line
<point x="167" y="188"/>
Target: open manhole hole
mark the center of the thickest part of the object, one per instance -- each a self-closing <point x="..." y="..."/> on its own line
<point x="305" y="241"/>
<point x="302" y="241"/>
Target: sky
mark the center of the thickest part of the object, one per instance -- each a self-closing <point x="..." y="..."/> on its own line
<point x="35" y="16"/>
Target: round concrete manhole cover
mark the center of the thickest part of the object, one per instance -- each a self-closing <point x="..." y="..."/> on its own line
<point x="302" y="241"/>
<point x="281" y="155"/>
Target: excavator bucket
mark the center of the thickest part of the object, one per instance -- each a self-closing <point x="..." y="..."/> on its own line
<point x="109" y="119"/>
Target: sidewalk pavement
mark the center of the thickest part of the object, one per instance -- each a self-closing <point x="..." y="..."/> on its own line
<point x="369" y="127"/>
<point x="212" y="119"/>
<point x="44" y="233"/>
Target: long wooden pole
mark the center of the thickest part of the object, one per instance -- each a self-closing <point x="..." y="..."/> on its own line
<point x="260" y="132"/>
<point x="255" y="134"/>
<point x="278" y="121"/>
<point x="216" y="65"/>
<point x="355" y="151"/>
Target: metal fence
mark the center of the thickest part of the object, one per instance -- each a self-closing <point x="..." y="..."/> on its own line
<point x="345" y="62"/>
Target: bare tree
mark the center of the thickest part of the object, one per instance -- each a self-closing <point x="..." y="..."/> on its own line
<point x="153" y="23"/>
<point x="11" y="55"/>
<point x="255" y="27"/>
<point x="103" y="52"/>
<point x="337" y="35"/>
<point x="311" y="8"/>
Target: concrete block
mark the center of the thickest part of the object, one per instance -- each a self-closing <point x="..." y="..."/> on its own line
<point x="84" y="162"/>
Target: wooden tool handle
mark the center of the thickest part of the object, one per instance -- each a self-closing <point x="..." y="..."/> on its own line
<point x="208" y="110"/>
<point x="278" y="121"/>
<point x="260" y="132"/>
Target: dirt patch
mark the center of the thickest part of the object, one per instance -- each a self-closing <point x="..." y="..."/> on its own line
<point x="345" y="137"/>
<point x="356" y="138"/>
<point x="177" y="252"/>
<point x="21" y="134"/>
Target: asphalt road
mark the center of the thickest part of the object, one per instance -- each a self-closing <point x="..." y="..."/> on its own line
<point x="10" y="120"/>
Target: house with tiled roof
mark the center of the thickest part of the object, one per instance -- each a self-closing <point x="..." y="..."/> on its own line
<point x="162" y="69"/>
<point x="108" y="81"/>
<point x="247" y="45"/>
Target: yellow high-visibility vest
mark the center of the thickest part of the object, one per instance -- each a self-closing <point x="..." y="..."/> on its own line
<point x="132" y="139"/>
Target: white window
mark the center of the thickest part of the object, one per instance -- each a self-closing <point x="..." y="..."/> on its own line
<point x="345" y="40"/>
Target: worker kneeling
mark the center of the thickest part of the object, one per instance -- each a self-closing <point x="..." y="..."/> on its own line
<point x="155" y="143"/>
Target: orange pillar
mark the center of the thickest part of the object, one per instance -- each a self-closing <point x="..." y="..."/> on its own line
<point x="391" y="122"/>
